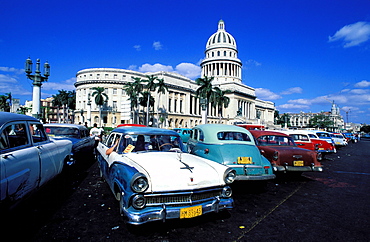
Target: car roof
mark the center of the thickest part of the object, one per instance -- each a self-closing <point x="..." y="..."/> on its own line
<point x="144" y="130"/>
<point x="258" y="133"/>
<point x="6" y="117"/>
<point x="211" y="128"/>
<point x="65" y="125"/>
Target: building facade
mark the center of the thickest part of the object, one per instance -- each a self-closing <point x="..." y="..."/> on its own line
<point x="302" y="120"/>
<point x="179" y="106"/>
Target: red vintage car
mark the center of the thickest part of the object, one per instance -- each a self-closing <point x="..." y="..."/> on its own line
<point x="301" y="139"/>
<point x="284" y="154"/>
<point x="323" y="146"/>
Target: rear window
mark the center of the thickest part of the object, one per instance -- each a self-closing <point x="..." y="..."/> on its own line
<point x="233" y="136"/>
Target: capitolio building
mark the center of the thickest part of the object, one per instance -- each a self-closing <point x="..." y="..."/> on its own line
<point x="178" y="107"/>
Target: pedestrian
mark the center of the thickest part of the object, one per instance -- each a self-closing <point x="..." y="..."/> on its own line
<point x="96" y="133"/>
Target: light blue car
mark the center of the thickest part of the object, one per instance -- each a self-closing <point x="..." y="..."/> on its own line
<point x="232" y="146"/>
<point x="184" y="133"/>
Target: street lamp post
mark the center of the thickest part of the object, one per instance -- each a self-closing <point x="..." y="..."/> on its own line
<point x="38" y="79"/>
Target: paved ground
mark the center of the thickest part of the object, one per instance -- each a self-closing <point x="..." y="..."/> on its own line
<point x="328" y="206"/>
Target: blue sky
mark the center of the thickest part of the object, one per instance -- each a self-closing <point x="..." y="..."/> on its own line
<point x="300" y="54"/>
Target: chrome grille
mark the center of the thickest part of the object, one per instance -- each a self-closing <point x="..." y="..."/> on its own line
<point x="183" y="198"/>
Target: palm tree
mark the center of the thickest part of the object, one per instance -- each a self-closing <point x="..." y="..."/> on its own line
<point x="204" y="92"/>
<point x="219" y="100"/>
<point x="151" y="86"/>
<point x="4" y="104"/>
<point x="161" y="89"/>
<point x="57" y="102"/>
<point x="133" y="90"/>
<point x="22" y="110"/>
<point x="100" y="99"/>
<point x="143" y="100"/>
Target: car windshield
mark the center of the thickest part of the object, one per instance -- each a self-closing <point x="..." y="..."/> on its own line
<point x="142" y="142"/>
<point x="233" y="136"/>
<point x="68" y="132"/>
<point x="275" y="140"/>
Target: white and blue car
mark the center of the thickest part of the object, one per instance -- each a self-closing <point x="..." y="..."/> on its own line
<point x="153" y="178"/>
<point x="232" y="146"/>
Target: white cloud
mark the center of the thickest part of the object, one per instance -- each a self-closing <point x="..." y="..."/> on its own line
<point x="352" y="34"/>
<point x="189" y="70"/>
<point x="291" y="106"/>
<point x="155" y="67"/>
<point x="362" y="84"/>
<point x="137" y="47"/>
<point x="266" y="94"/>
<point x="157" y="45"/>
<point x="12" y="69"/>
<point x="292" y="91"/>
<point x="67" y="85"/>
<point x="251" y="62"/>
<point x="7" y="79"/>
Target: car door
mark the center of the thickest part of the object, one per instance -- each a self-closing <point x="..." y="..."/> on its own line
<point x="50" y="159"/>
<point x="20" y="163"/>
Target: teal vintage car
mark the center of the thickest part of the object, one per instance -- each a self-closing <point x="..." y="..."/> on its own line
<point x="232" y="146"/>
<point x="184" y="133"/>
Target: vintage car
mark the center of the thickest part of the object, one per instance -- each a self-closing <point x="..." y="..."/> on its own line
<point x="284" y="154"/>
<point x="301" y="138"/>
<point x="154" y="179"/>
<point x="28" y="157"/>
<point x="83" y="143"/>
<point x="184" y="133"/>
<point x="321" y="145"/>
<point x="232" y="146"/>
<point x="339" y="139"/>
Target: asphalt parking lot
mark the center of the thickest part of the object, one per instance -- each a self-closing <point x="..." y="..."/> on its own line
<point x="328" y="206"/>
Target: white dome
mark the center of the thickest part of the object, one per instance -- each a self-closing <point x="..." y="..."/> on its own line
<point x="221" y="38"/>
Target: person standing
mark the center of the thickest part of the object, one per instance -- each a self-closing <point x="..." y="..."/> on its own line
<point x="96" y="133"/>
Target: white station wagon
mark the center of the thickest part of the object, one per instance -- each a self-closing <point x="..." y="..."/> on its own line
<point x="154" y="179"/>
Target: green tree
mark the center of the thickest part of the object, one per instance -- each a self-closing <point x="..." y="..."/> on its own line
<point x="100" y="99"/>
<point x="4" y="103"/>
<point x="151" y="85"/>
<point x="134" y="90"/>
<point x="22" y="110"/>
<point x="204" y="92"/>
<point x="57" y="102"/>
<point x="321" y="121"/>
<point x="161" y="89"/>
<point x="219" y="100"/>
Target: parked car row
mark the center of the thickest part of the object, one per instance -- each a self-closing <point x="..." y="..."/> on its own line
<point x="154" y="176"/>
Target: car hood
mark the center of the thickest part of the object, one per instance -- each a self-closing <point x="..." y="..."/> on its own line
<point x="169" y="171"/>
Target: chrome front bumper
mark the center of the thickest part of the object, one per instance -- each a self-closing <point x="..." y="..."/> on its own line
<point x="137" y="217"/>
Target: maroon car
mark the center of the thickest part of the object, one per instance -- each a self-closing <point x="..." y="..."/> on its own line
<point x="284" y="154"/>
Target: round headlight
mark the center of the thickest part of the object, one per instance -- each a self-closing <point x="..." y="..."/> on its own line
<point x="139" y="183"/>
<point x="227" y="192"/>
<point x="138" y="201"/>
<point x="229" y="176"/>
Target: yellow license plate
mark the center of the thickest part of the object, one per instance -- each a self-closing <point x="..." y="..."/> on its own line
<point x="245" y="160"/>
<point x="298" y="163"/>
<point x="191" y="212"/>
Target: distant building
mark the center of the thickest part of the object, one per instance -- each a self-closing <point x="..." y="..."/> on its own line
<point x="178" y="107"/>
<point x="302" y="120"/>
